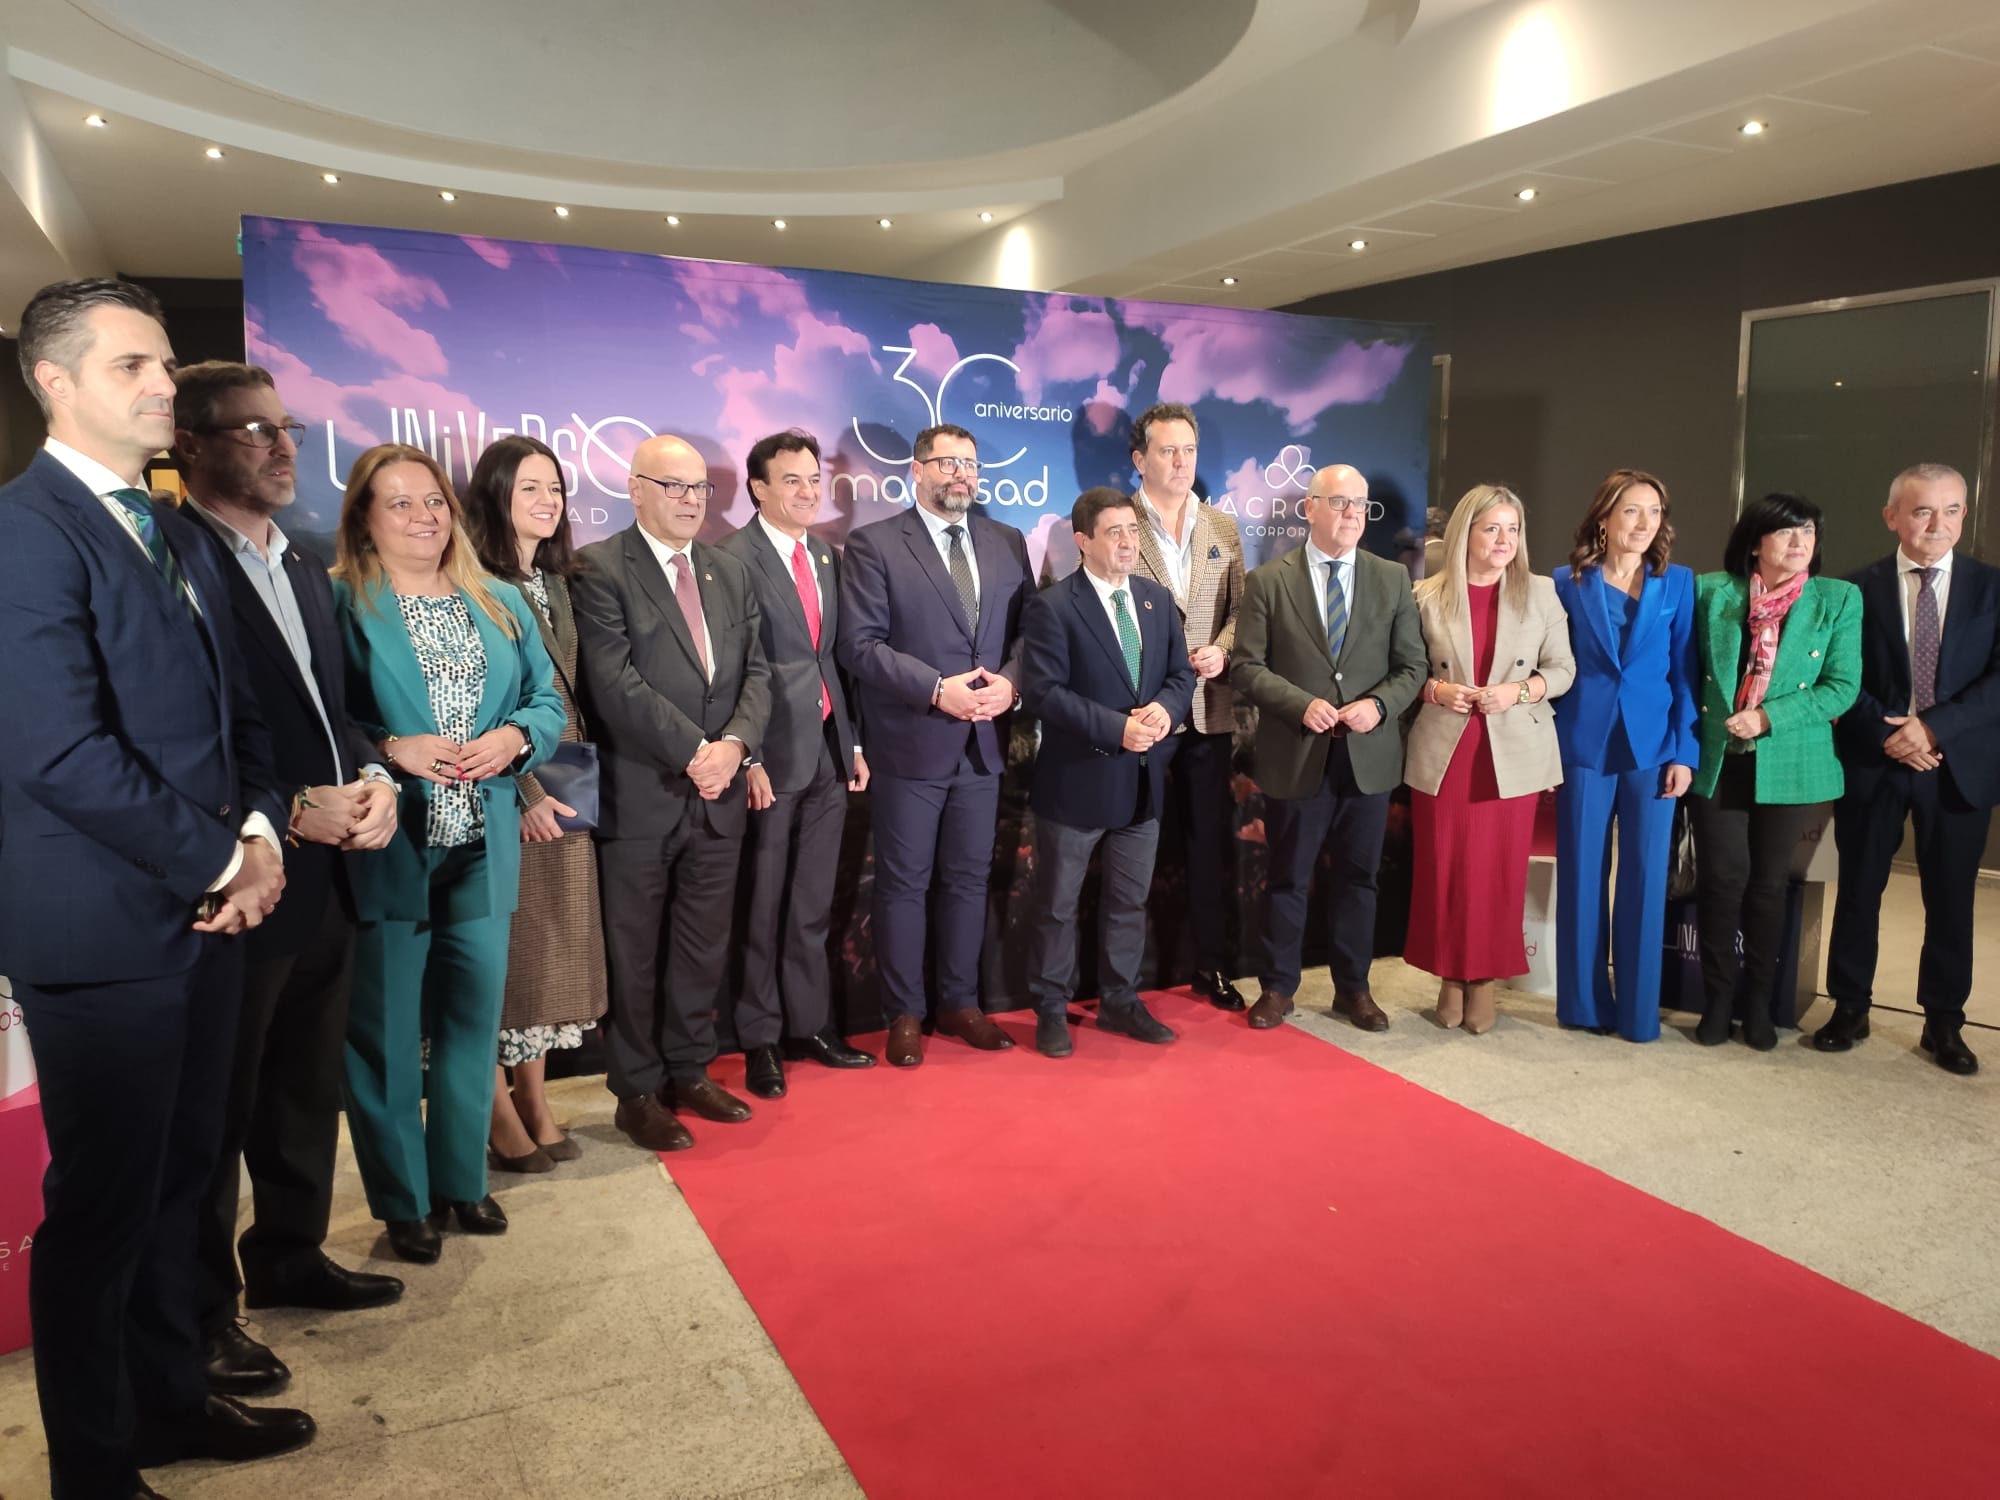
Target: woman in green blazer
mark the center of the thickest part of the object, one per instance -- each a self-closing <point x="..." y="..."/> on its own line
<point x="446" y="671"/>
<point x="1780" y="661"/>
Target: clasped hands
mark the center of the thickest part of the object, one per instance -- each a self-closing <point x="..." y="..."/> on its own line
<point x="1912" y="743"/>
<point x="433" y="757"/>
<point x="1360" y="716"/>
<point x="359" y="815"/>
<point x="1146" y="727"/>
<point x="974" y="695"/>
<point x="1464" y="698"/>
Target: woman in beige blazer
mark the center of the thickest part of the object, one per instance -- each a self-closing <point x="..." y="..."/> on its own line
<point x="1481" y="750"/>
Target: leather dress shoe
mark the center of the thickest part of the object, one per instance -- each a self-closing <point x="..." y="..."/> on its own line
<point x="1271" y="1008"/>
<point x="1052" y="1038"/>
<point x="1847" y="1025"/>
<point x="827" y="1049"/>
<point x="226" y="1430"/>
<point x="974" y="1028"/>
<point x="240" y="1366"/>
<point x="483" y="1217"/>
<point x="414" y="1240"/>
<point x="710" y="1100"/>
<point x="763" y="1073"/>
<point x="322" y="1285"/>
<point x="1214" y="986"/>
<point x="1942" y="1039"/>
<point x="1135" y="1021"/>
<point x="649" y="1125"/>
<point x="906" y="1042"/>
<point x="1359" y="1007"/>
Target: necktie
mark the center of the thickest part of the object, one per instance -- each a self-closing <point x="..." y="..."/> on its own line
<point x="138" y="505"/>
<point x="802" y="575"/>
<point x="689" y="599"/>
<point x="1128" y="636"/>
<point x="961" y="578"/>
<point x="1336" y="611"/>
<point x="1924" y="636"/>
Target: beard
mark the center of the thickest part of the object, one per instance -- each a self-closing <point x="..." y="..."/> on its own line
<point x="946" y="499"/>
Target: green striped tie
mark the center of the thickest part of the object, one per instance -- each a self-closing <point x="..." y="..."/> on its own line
<point x="139" y="506"/>
<point x="1128" y="636"/>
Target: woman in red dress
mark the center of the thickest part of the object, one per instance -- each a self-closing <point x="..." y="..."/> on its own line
<point x="1482" y="749"/>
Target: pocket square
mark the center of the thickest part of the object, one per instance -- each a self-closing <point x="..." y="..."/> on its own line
<point x="1214" y="551"/>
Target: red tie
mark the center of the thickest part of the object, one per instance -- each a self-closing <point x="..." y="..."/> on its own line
<point x="802" y="575"/>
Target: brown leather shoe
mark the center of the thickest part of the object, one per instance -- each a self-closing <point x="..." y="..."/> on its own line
<point x="1272" y="1007"/>
<point x="906" y="1042"/>
<point x="710" y="1100"/>
<point x="647" y="1125"/>
<point x="974" y="1029"/>
<point x="1359" y="1007"/>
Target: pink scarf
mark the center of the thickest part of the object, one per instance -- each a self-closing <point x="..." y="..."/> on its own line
<point x="1768" y="608"/>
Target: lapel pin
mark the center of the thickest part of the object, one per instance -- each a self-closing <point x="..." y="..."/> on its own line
<point x="1148" y="603"/>
<point x="825" y="561"/>
<point x="708" y="578"/>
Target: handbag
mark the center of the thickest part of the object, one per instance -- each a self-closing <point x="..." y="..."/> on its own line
<point x="1680" y="858"/>
<point x="570" y="776"/>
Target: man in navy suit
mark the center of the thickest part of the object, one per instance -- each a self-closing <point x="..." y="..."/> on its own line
<point x="1918" y="744"/>
<point x="1105" y="669"/>
<point x="141" y="824"/>
<point x="238" y="452"/>
<point x="931" y="603"/>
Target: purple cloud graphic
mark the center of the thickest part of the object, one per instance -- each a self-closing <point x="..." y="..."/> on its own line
<point x="358" y="289"/>
<point x="1246" y="362"/>
<point x="1069" y="339"/>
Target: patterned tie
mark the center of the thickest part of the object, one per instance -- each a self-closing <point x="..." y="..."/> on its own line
<point x="1924" y="636"/>
<point x="1128" y="636"/>
<point x="689" y="598"/>
<point x="802" y="575"/>
<point x="139" y="506"/>
<point x="961" y="577"/>
<point x="1336" y="611"/>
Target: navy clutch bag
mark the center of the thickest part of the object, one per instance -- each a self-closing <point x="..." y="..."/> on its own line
<point x="570" y="776"/>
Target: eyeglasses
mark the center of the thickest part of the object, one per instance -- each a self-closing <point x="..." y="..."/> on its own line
<point x="263" y="434"/>
<point x="947" y="465"/>
<point x="1341" y="504"/>
<point x="680" y="489"/>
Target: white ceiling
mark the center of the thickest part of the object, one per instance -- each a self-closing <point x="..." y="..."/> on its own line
<point x="1122" y="147"/>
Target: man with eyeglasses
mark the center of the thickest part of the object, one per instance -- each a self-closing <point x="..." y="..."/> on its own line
<point x="797" y="785"/>
<point x="668" y="641"/>
<point x="238" y="451"/>
<point x="931" y="603"/>
<point x="1330" y="649"/>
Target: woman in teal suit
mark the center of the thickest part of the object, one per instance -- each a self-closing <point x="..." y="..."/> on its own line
<point x="1780" y="661"/>
<point x="447" y="672"/>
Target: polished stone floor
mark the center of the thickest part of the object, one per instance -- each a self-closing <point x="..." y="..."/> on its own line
<point x="601" y="1350"/>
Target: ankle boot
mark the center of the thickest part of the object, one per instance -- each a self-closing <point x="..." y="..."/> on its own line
<point x="1715" y="1019"/>
<point x="1758" y="1028"/>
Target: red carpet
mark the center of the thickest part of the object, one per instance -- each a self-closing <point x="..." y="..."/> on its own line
<point x="1251" y="1265"/>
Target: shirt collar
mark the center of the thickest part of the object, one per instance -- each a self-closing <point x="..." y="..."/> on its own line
<point x="785" y="545"/>
<point x="1103" y="588"/>
<point x="100" y="480"/>
<point x="1320" y="559"/>
<point x="1907" y="564"/>
<point x="235" y="540"/>
<point x="664" y="550"/>
<point x="1159" y="522"/>
<point x="937" y="524"/>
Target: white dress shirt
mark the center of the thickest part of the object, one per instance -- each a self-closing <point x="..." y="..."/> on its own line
<point x="1910" y="578"/>
<point x="937" y="525"/>
<point x="1177" y="553"/>
<point x="101" y="481"/>
<point x="1343" y="568"/>
<point x="1104" y="592"/>
<point x="685" y="552"/>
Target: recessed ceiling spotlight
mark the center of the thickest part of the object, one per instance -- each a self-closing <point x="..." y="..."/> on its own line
<point x="673" y="221"/>
<point x="213" y="153"/>
<point x="329" y="178"/>
<point x="1838" y="384"/>
<point x="96" y="122"/>
<point x="1229" y="281"/>
<point x="447" y="195"/>
<point x="561" y="212"/>
<point x="777" y="223"/>
<point x="1526" y="195"/>
<point x="1752" y="127"/>
<point x="985" y="215"/>
<point x="885" y="223"/>
<point x="1357" y="244"/>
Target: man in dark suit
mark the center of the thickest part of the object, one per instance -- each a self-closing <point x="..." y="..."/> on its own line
<point x="238" y="451"/>
<point x="1329" y="648"/>
<point x="1105" y="669"/>
<point x="1918" y="745"/>
<point x="797" y="785"/>
<point x="667" y="643"/>
<point x="931" y="604"/>
<point x="141" y="816"/>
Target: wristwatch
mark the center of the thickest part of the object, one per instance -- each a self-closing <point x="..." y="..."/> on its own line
<point x="1526" y="696"/>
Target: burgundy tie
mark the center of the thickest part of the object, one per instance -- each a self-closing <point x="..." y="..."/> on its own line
<point x="1924" y="635"/>
<point x="689" y="598"/>
<point x="809" y="601"/>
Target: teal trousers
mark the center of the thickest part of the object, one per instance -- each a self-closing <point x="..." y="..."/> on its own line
<point x="443" y="979"/>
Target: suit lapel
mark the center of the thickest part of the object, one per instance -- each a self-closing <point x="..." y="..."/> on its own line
<point x="315" y="601"/>
<point x="828" y="574"/>
<point x="1728" y="623"/>
<point x="1802" y="631"/>
<point x="996" y="561"/>
<point x="1152" y="556"/>
<point x="1652" y="605"/>
<point x="780" y="574"/>
<point x="1097" y="625"/>
<point x="1300" y="588"/>
<point x="1592" y="594"/>
<point x="129" y="557"/>
<point x="917" y="537"/>
<point x="1882" y="596"/>
<point x="653" y="582"/>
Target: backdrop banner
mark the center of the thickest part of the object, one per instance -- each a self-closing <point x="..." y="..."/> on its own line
<point x="447" y="342"/>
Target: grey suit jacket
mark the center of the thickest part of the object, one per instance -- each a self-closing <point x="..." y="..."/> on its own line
<point x="797" y="729"/>
<point x="644" y="690"/>
<point x="1209" y="607"/>
<point x="1281" y="663"/>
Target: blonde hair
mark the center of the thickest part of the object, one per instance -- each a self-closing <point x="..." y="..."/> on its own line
<point x="356" y="563"/>
<point x="1448" y="587"/>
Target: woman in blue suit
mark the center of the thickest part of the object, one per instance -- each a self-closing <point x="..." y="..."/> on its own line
<point x="1629" y="749"/>
<point x="447" y="672"/>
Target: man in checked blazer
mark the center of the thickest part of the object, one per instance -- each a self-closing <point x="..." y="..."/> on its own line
<point x="1330" y="678"/>
<point x="668" y="646"/>
<point x="1922" y="750"/>
<point x="1192" y="550"/>
<point x="798" y="784"/>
